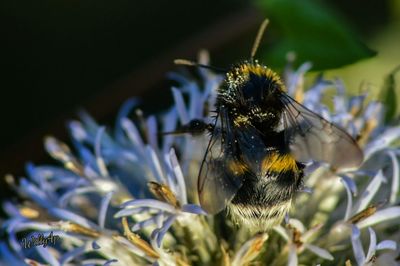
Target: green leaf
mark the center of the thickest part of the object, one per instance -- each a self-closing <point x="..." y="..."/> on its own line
<point x="313" y="32"/>
<point x="389" y="97"/>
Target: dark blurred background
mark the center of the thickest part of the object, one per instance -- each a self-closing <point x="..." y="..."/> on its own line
<point x="60" y="55"/>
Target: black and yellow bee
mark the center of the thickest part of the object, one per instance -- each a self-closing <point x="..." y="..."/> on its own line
<point x="260" y="140"/>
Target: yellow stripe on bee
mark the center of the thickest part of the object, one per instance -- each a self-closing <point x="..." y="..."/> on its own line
<point x="256" y="69"/>
<point x="237" y="168"/>
<point x="260" y="70"/>
<point x="279" y="163"/>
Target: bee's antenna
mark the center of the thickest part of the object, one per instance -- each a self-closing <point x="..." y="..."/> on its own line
<point x="260" y="33"/>
<point x="191" y="63"/>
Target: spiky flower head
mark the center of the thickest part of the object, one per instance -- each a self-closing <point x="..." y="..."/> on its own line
<point x="125" y="197"/>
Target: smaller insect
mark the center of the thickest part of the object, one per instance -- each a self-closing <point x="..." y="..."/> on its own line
<point x="259" y="141"/>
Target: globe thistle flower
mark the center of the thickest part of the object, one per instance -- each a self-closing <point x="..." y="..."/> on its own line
<point x="128" y="197"/>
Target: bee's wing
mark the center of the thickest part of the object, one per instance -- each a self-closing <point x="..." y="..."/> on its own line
<point x="218" y="180"/>
<point x="311" y="137"/>
<point x="252" y="147"/>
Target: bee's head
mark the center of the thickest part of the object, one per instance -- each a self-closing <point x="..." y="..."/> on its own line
<point x="254" y="84"/>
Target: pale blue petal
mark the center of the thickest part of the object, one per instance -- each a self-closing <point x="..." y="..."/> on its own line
<point x="195" y="105"/>
<point x="311" y="167"/>
<point x="50" y="172"/>
<point x="282" y="232"/>
<point x="369" y="192"/>
<point x="179" y="176"/>
<point x="77" y="130"/>
<point x="323" y="253"/>
<point x="97" y="150"/>
<point x="382" y="141"/>
<point x="163" y="230"/>
<point x="380" y="216"/>
<point x="180" y="106"/>
<point x="119" y="155"/>
<point x="339" y="105"/>
<point x="339" y="85"/>
<point x="149" y="203"/>
<point x="145" y="223"/>
<point x="70" y="216"/>
<point x="373" y="111"/>
<point x="296" y="77"/>
<point x="155" y="165"/>
<point x="129" y="212"/>
<point x="159" y="218"/>
<point x="356" y="102"/>
<point x="6" y="255"/>
<point x="193" y="208"/>
<point x="347" y="182"/>
<point x="358" y="251"/>
<point x="133" y="133"/>
<point x="169" y="124"/>
<point x="170" y="176"/>
<point x="89" y="122"/>
<point x="35" y="193"/>
<point x="105" y="202"/>
<point x="287" y="218"/>
<point x="315" y="93"/>
<point x="324" y="112"/>
<point x="72" y="254"/>
<point x="395" y="177"/>
<point x="34" y="175"/>
<point x="87" y="158"/>
<point x="387" y="244"/>
<point x="352" y="129"/>
<point x="124" y="111"/>
<point x="27" y="225"/>
<point x="306" y="190"/>
<point x="92" y="127"/>
<point x="63" y="200"/>
<point x="178" y="77"/>
<point x="132" y="248"/>
<point x="151" y="132"/>
<point x="47" y="256"/>
<point x="11" y="210"/>
<point x="12" y="238"/>
<point x="372" y="244"/>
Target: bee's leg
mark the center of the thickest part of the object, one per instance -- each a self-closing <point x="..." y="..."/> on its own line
<point x="194" y="127"/>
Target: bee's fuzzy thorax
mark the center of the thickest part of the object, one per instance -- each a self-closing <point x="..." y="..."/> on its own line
<point x="241" y="73"/>
<point x="251" y="90"/>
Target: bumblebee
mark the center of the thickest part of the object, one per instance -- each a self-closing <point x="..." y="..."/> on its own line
<point x="260" y="139"/>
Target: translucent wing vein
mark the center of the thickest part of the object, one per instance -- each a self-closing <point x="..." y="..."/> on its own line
<point x="311" y="137"/>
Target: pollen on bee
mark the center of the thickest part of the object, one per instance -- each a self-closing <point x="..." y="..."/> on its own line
<point x="241" y="74"/>
<point x="241" y="120"/>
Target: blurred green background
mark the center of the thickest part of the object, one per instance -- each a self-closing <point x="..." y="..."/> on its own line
<point x="59" y="55"/>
